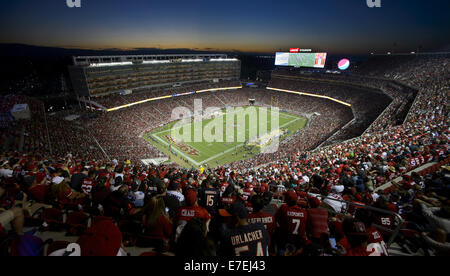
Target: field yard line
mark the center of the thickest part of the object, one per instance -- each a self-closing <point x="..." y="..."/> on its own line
<point x="284" y="115"/>
<point x="207" y="150"/>
<point x="222" y="153"/>
<point x="238" y="146"/>
<point x="174" y="148"/>
<point x="189" y="124"/>
<point x="288" y="115"/>
<point x="202" y="151"/>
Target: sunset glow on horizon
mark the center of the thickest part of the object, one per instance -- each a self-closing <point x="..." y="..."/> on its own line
<point x="250" y="26"/>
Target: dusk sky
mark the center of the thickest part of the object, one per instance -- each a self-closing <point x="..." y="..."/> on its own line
<point x="335" y="26"/>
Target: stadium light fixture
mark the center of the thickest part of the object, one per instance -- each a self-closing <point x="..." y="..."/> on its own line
<point x="110" y="64"/>
<point x="223" y="59"/>
<point x="155" y="61"/>
<point x="192" y="60"/>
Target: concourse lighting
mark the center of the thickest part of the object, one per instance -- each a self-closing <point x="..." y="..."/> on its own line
<point x="310" y="95"/>
<point x="111" y="64"/>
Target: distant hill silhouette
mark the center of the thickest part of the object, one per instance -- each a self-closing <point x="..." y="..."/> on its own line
<point x="21" y="50"/>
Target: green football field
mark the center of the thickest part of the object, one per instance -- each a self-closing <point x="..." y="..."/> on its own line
<point x="188" y="144"/>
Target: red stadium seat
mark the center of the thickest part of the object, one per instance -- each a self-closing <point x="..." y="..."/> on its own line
<point x="76" y="223"/>
<point x="54" y="219"/>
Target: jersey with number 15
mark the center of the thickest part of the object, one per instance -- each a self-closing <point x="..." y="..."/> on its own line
<point x="209" y="199"/>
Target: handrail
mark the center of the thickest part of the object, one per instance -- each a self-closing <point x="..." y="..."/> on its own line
<point x="98" y="144"/>
<point x="48" y="133"/>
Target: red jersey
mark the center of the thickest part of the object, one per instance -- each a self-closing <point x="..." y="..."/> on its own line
<point x="317" y="222"/>
<point x="86" y="185"/>
<point x="375" y="244"/>
<point x="186" y="213"/>
<point x="161" y="230"/>
<point x="266" y="219"/>
<point x="246" y="193"/>
<point x="384" y="220"/>
<point x="429" y="158"/>
<point x="292" y="221"/>
<point x="414" y="162"/>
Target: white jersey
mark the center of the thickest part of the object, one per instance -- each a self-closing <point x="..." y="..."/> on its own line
<point x="336" y="205"/>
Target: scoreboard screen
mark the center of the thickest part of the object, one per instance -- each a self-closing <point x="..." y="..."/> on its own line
<point x="314" y="60"/>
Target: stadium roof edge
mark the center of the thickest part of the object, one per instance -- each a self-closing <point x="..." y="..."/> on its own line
<point x="411" y="54"/>
<point x="85" y="60"/>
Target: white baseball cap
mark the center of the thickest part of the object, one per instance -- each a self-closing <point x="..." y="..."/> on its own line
<point x="338" y="188"/>
<point x="57" y="180"/>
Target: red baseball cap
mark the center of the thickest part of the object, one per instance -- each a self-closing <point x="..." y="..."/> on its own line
<point x="290" y="196"/>
<point x="262" y="190"/>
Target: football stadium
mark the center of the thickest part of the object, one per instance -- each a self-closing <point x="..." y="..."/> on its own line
<point x="216" y="153"/>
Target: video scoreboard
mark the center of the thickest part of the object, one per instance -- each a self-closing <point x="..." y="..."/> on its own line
<point x="313" y="60"/>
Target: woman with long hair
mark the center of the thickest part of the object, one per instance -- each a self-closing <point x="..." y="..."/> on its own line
<point x="157" y="225"/>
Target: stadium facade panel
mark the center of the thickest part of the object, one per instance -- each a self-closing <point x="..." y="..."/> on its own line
<point x="100" y="76"/>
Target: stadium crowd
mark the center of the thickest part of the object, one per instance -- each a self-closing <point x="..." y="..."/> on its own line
<point x="230" y="210"/>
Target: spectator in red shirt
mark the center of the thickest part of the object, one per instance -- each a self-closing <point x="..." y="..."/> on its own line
<point x="190" y="211"/>
<point x="376" y="245"/>
<point x="100" y="192"/>
<point x="267" y="219"/>
<point x="258" y="216"/>
<point x="317" y="220"/>
<point x="292" y="221"/>
<point x="357" y="237"/>
<point x="117" y="204"/>
<point x="158" y="227"/>
<point x="88" y="183"/>
<point x="383" y="219"/>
